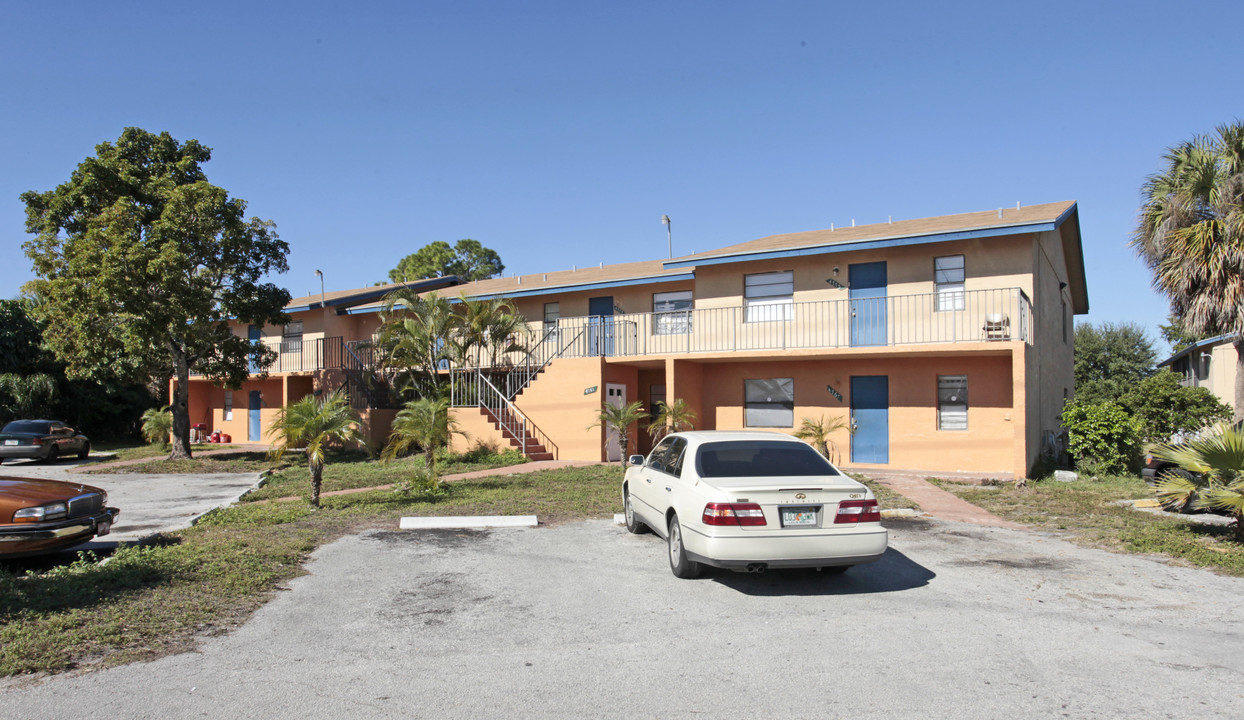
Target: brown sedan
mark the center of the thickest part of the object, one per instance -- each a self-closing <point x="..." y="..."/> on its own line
<point x="39" y="516"/>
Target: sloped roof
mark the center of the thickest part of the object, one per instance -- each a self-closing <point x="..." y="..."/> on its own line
<point x="985" y="223"/>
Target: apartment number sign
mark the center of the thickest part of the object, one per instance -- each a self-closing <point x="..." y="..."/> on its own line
<point x="837" y="395"/>
<point x="589" y="391"/>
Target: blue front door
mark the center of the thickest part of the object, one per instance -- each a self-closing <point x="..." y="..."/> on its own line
<point x="600" y="325"/>
<point x="870" y="414"/>
<point x="253" y="334"/>
<point x="252" y="425"/>
<point x="868" y="303"/>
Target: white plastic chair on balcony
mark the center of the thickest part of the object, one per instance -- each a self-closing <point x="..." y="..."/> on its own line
<point x="997" y="326"/>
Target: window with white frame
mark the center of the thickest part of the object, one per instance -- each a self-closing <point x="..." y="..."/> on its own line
<point x="952" y="402"/>
<point x="671" y="313"/>
<point x="228" y="405"/>
<point x="552" y="311"/>
<point x="291" y="337"/>
<point x="769" y="403"/>
<point x="768" y="296"/>
<point x="948" y="280"/>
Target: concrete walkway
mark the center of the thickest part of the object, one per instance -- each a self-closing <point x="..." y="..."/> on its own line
<point x="936" y="501"/>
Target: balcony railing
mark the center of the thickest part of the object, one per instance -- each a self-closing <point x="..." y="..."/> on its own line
<point x="971" y="316"/>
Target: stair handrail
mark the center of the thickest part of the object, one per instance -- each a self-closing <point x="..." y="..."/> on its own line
<point x="514" y="383"/>
<point x="480" y="390"/>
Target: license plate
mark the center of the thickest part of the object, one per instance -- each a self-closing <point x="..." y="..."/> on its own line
<point x="103" y="528"/>
<point x="12" y="442"/>
<point x="798" y="517"/>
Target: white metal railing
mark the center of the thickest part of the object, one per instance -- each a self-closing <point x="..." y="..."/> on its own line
<point x="472" y="388"/>
<point x="970" y="316"/>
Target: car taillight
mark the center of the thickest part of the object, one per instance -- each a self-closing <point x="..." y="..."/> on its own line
<point x="851" y="511"/>
<point x="746" y="514"/>
<point x="36" y="441"/>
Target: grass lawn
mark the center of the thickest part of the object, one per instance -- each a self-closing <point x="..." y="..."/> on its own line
<point x="159" y="462"/>
<point x="1084" y="511"/>
<point x="152" y="601"/>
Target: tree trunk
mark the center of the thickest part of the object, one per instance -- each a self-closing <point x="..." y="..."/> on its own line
<point x="1239" y="379"/>
<point x="181" y="407"/>
<point x="317" y="477"/>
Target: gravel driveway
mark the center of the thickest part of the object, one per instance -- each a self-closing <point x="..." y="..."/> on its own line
<point x="584" y="620"/>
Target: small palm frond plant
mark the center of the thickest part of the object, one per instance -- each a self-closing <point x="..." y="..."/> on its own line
<point x="157" y="425"/>
<point x="619" y="419"/>
<point x="817" y="434"/>
<point x="424" y="424"/>
<point x="1215" y="474"/>
<point x="315" y="424"/>
<point x="674" y="416"/>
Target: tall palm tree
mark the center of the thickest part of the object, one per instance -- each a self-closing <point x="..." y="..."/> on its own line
<point x="1191" y="235"/>
<point x="620" y="418"/>
<point x="425" y="424"/>
<point x="817" y="433"/>
<point x="492" y="327"/>
<point x="673" y="416"/>
<point x="315" y="424"/>
<point x="1215" y="477"/>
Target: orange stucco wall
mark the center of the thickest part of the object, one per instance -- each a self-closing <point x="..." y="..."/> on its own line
<point x="557" y="404"/>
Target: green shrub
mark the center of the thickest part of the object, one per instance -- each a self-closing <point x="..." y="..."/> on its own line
<point x="1163" y="407"/>
<point x="1104" y="439"/>
<point x="157" y="425"/>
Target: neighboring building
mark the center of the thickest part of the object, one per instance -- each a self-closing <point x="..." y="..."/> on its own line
<point x="1209" y="364"/>
<point x="946" y="341"/>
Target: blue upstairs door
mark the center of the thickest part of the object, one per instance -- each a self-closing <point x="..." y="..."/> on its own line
<point x="253" y="334"/>
<point x="252" y="425"/>
<point x="868" y="303"/>
<point x="870" y="414"/>
<point x="600" y="325"/>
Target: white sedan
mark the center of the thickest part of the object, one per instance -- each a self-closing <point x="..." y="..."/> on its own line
<point x="750" y="501"/>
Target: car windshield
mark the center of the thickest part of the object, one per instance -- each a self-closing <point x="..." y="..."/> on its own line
<point x="760" y="458"/>
<point x="28" y="426"/>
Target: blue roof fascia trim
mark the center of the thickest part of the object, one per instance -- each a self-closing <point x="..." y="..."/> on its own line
<point x="301" y="308"/>
<point x="868" y="244"/>
<point x="555" y="290"/>
<point x="1066" y="214"/>
<point x="1194" y="346"/>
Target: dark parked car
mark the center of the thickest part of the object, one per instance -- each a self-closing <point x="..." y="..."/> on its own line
<point x="42" y="440"/>
<point x="39" y="516"/>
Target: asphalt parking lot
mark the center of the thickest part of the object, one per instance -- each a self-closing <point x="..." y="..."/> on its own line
<point x="584" y="620"/>
<point x="149" y="503"/>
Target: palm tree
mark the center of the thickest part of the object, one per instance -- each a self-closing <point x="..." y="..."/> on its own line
<point x="620" y="418"/>
<point x="28" y="395"/>
<point x="315" y="424"/>
<point x="1214" y="477"/>
<point x="492" y="326"/>
<point x="426" y="424"/>
<point x="817" y="434"/>
<point x="417" y="336"/>
<point x="673" y="416"/>
<point x="1191" y="235"/>
<point x="157" y="425"/>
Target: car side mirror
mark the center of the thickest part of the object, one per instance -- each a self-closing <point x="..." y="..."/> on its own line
<point x="636" y="460"/>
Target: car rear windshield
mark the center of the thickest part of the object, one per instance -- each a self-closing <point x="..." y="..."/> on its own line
<point x="28" y="426"/>
<point x="760" y="458"/>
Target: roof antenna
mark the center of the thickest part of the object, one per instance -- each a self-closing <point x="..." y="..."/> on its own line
<point x="669" y="235"/>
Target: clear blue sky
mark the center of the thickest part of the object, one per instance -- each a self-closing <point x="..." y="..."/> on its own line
<point x="558" y="133"/>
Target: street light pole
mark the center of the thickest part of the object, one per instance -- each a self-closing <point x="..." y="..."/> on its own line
<point x="321" y="276"/>
<point x="665" y="220"/>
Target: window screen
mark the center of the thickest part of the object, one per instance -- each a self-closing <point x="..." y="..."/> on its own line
<point x="952" y="402"/>
<point x="672" y="313"/>
<point x="769" y="403"/>
<point x="948" y="273"/>
<point x="768" y="296"/>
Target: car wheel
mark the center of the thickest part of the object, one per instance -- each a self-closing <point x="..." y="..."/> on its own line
<point x="679" y="564"/>
<point x="53" y="454"/>
<point x="85" y="452"/>
<point x="634" y="525"/>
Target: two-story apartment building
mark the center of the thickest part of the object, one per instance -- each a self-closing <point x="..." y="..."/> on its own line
<point x="945" y="342"/>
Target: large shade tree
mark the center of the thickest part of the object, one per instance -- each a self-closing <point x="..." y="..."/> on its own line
<point x="1191" y="235"/>
<point x="141" y="263"/>
<point x="468" y="260"/>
